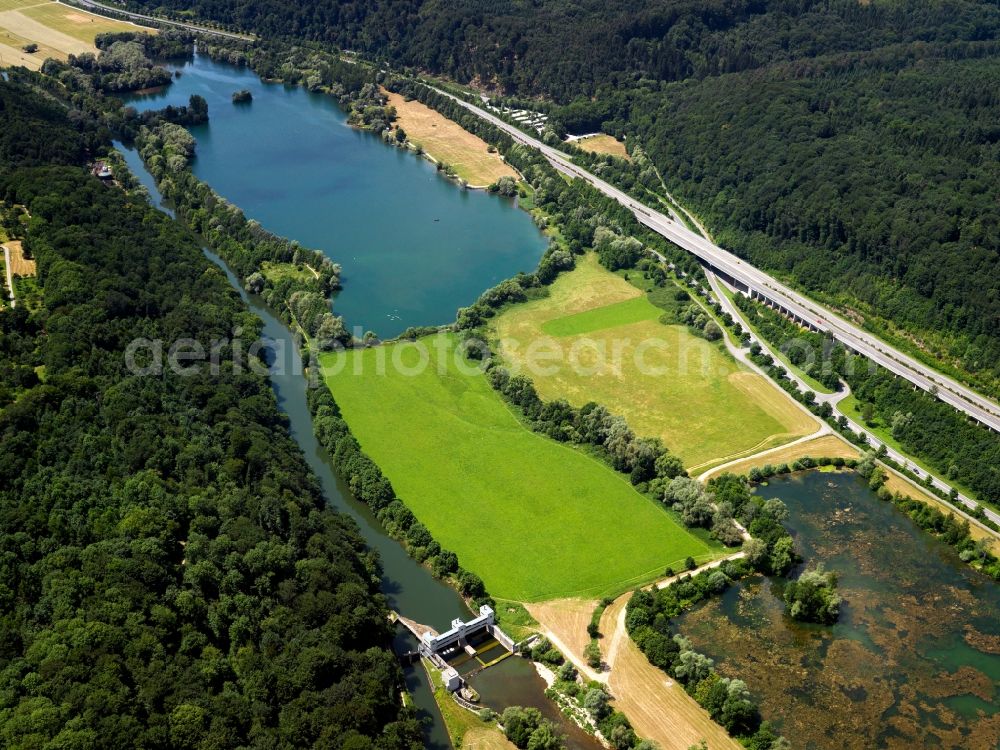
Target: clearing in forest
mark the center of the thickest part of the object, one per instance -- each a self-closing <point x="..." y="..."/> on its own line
<point x="446" y="141"/>
<point x="534" y="518"/>
<point x="603" y="144"/>
<point x="607" y="345"/>
<point x="58" y="30"/>
<point x="19" y="265"/>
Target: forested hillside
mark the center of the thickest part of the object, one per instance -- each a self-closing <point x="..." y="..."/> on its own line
<point x="564" y="48"/>
<point x="870" y="180"/>
<point x="169" y="574"/>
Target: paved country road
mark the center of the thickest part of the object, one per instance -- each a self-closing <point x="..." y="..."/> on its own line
<point x="976" y="406"/>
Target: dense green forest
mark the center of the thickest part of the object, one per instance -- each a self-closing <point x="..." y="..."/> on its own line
<point x="868" y="180"/>
<point x="169" y="573"/>
<point x="563" y="49"/>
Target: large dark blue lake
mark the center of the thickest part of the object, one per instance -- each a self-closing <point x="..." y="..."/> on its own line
<point x="414" y="247"/>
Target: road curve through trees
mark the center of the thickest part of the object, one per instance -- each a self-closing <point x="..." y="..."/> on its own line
<point x="809" y="312"/>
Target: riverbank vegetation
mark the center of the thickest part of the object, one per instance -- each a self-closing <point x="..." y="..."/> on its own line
<point x="728" y="701"/>
<point x="586" y="702"/>
<point x="125" y="61"/>
<point x="180" y="542"/>
<point x="267" y="264"/>
<point x="493" y="472"/>
<point x="467" y="730"/>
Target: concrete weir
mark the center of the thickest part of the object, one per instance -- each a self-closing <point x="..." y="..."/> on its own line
<point x="439" y="647"/>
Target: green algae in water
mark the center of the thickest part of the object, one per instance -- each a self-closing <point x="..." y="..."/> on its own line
<point x="913" y="661"/>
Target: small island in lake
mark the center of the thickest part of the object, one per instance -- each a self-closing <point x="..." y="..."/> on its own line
<point x="242" y="96"/>
<point x="813" y="597"/>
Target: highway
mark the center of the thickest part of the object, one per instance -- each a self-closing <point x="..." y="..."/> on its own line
<point x="102" y="9"/>
<point x="976" y="406"/>
<point x="963" y="503"/>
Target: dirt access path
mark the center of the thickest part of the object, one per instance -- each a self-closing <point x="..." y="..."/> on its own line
<point x="659" y="708"/>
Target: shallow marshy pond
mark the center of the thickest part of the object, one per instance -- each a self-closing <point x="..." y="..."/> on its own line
<point x="913" y="662"/>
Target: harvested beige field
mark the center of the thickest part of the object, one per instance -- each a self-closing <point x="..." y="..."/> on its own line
<point x="446" y="141"/>
<point x="603" y="144"/>
<point x="486" y="739"/>
<point x="77" y="23"/>
<point x="58" y="30"/>
<point x="658" y="707"/>
<point x="11" y="54"/>
<point x="828" y="445"/>
<point x="567" y="619"/>
<point x="19" y="265"/>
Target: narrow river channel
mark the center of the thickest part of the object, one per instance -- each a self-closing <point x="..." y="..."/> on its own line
<point x="409" y="587"/>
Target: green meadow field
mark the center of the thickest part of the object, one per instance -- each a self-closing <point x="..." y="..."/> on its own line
<point x="536" y="519"/>
<point x="693" y="395"/>
<point x="601" y="318"/>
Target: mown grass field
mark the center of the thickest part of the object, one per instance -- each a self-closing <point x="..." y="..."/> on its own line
<point x="447" y="141"/>
<point x="279" y="271"/>
<point x="667" y="383"/>
<point x="534" y="518"/>
<point x="58" y="30"/>
<point x="603" y="144"/>
<point x="616" y="314"/>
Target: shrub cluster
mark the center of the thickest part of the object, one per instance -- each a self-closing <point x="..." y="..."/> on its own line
<point x="813" y="596"/>
<point x="590" y="703"/>
<point x="647" y="620"/>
